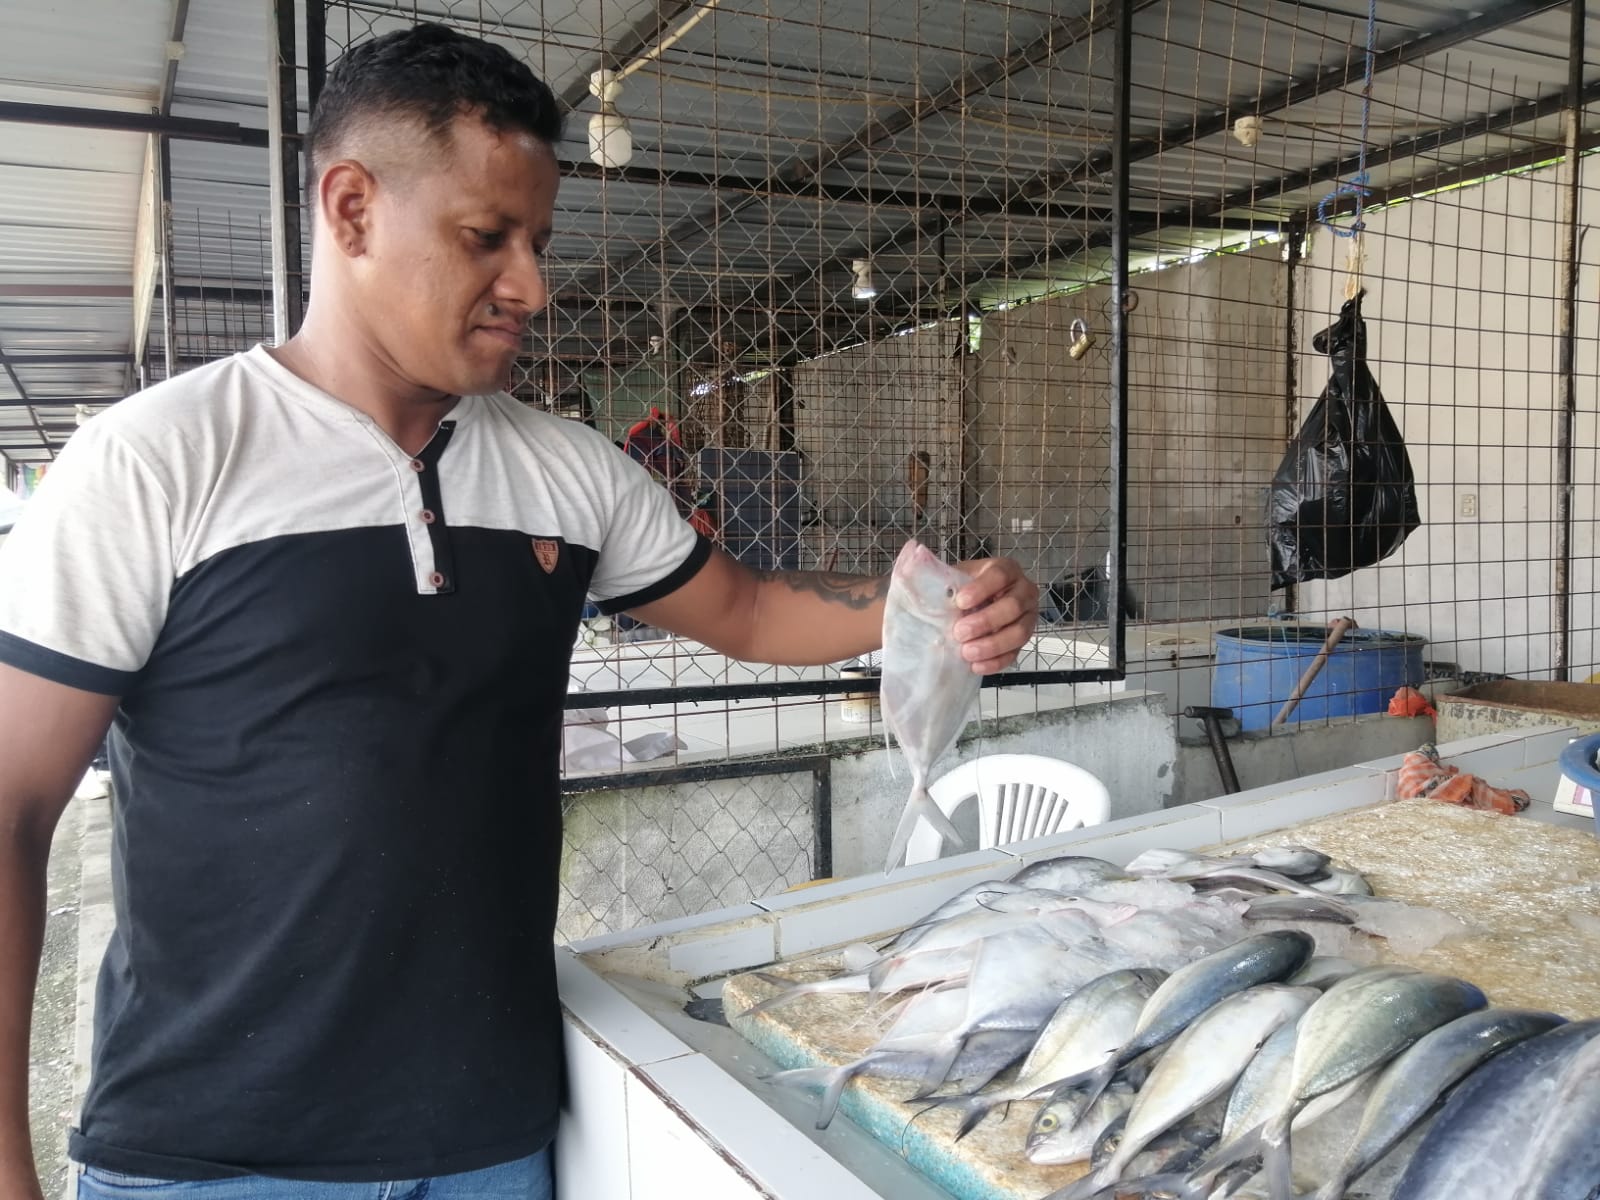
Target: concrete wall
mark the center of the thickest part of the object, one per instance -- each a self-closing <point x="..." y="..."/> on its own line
<point x="1462" y="303"/>
<point x="860" y="416"/>
<point x="1207" y="364"/>
<point x="1260" y="760"/>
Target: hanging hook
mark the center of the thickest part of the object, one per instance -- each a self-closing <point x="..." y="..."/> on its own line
<point x="1081" y="339"/>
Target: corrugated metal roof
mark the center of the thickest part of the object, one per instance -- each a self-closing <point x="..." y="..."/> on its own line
<point x="69" y="198"/>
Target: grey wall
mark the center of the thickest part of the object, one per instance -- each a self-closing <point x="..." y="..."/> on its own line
<point x="1207" y="398"/>
<point x="860" y="415"/>
<point x="1263" y="759"/>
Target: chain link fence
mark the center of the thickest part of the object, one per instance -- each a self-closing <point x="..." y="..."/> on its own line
<point x="852" y="283"/>
<point x="649" y="846"/>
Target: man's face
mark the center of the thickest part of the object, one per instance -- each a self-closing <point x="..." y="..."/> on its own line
<point x="451" y="271"/>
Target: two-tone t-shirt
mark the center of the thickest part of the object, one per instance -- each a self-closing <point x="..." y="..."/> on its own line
<point x="335" y="761"/>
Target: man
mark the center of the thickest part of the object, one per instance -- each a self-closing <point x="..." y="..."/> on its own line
<point x="327" y="594"/>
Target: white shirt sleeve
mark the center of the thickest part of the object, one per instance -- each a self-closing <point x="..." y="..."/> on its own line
<point x="649" y="550"/>
<point x="86" y="572"/>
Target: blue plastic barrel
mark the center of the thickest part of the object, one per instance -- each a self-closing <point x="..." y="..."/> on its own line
<point x="1257" y="667"/>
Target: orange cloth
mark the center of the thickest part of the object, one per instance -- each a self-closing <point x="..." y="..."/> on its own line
<point x="1408" y="702"/>
<point x="1422" y="774"/>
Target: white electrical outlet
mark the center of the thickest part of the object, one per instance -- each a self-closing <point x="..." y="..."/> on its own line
<point x="1468" y="504"/>
<point x="1027" y="524"/>
<point x="1021" y="524"/>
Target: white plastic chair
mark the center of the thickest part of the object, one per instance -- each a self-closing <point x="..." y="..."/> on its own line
<point x="1020" y="796"/>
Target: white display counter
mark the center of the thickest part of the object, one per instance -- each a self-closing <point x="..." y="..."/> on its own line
<point x="661" y="1105"/>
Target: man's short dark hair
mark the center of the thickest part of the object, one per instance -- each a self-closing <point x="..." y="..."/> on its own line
<point x="430" y="74"/>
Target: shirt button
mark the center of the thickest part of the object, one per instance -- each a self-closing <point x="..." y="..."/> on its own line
<point x="436" y="580"/>
<point x="427" y="516"/>
<point x="418" y="465"/>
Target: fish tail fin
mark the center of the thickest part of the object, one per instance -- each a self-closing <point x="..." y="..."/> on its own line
<point x="973" y="1110"/>
<point x="1278" y="1159"/>
<point x="832" y="1080"/>
<point x="941" y="1050"/>
<point x="939" y="1068"/>
<point x="920" y="805"/>
<point x="1094" y="1082"/>
<point x="1242" y="1148"/>
<point x="846" y="982"/>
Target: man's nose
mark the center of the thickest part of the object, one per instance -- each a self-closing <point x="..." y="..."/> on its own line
<point x="522" y="282"/>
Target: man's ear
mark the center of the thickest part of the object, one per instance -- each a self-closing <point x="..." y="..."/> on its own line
<point x="345" y="195"/>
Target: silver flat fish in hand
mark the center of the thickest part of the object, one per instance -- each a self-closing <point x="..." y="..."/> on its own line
<point x="928" y="689"/>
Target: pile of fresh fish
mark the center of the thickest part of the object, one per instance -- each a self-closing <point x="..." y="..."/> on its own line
<point x="1172" y="1027"/>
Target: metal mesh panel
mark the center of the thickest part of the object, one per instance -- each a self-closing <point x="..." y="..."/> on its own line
<point x="650" y="848"/>
<point x="794" y="268"/>
<point x="962" y="159"/>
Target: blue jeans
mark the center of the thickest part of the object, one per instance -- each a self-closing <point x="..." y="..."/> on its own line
<point x="525" y="1179"/>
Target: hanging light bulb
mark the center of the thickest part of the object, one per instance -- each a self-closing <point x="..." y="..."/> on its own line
<point x="610" y="139"/>
<point x="861" y="285"/>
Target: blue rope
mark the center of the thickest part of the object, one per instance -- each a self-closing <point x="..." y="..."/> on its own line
<point x="1357" y="186"/>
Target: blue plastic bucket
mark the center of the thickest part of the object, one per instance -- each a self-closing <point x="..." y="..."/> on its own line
<point x="1578" y="764"/>
<point x="1257" y="667"/>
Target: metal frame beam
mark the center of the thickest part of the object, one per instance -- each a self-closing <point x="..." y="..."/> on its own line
<point x="806" y="169"/>
<point x="22" y="400"/>
<point x="1571" y="265"/>
<point x="640" y="36"/>
<point x="105" y="357"/>
<point x="1188" y="132"/>
<point x="283" y="132"/>
<point x="947" y="204"/>
<point x="1298" y="91"/>
<point x="192" y="129"/>
<point x="175" y="31"/>
<point x="1121" y="120"/>
<point x="1209" y="215"/>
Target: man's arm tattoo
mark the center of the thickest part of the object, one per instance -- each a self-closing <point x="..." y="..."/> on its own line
<point x="853" y="591"/>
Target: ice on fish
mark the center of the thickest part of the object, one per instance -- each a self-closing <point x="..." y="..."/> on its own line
<point x="1068" y="873"/>
<point x="1408" y="928"/>
<point x="928" y="690"/>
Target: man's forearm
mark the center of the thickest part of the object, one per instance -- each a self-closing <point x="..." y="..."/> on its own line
<point x="811" y="617"/>
<point x="23" y="857"/>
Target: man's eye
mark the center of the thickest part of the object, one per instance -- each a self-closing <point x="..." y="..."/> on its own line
<point x="489" y="239"/>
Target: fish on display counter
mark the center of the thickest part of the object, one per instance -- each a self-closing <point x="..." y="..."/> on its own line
<point x="1160" y="1038"/>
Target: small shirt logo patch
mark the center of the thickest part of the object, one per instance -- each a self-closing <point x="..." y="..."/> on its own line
<point x="547" y="552"/>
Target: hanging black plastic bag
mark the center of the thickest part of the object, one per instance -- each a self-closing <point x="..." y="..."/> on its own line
<point x="1344" y="496"/>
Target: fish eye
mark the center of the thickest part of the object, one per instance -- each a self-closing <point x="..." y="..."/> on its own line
<point x="949" y="593"/>
<point x="1048" y="1122"/>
